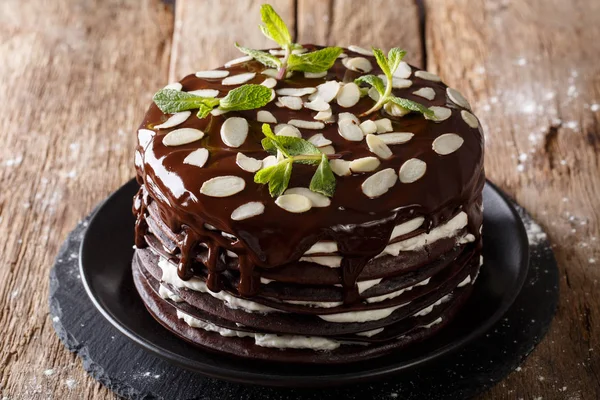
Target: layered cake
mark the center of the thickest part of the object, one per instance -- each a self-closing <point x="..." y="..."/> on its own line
<point x="324" y="214"/>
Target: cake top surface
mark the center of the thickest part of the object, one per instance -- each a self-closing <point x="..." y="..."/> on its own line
<point x="387" y="164"/>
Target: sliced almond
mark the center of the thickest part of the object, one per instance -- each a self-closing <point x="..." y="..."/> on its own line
<point x="317" y="199"/>
<point x="315" y="75"/>
<point x="234" y="131"/>
<point x="182" y="136"/>
<point x="272" y="96"/>
<point x="368" y="126"/>
<point x="248" y="164"/>
<point x="350" y="116"/>
<point x="395" y="137"/>
<point x="299" y="123"/>
<point x="373" y="94"/>
<point x="470" y="119"/>
<point x="174" y="120"/>
<point x="218" y="111"/>
<point x="395" y="110"/>
<point x="213" y="74"/>
<point x="360" y="50"/>
<point x="294" y="203"/>
<point x="270" y="83"/>
<point x="364" y="164"/>
<point x="174" y="86"/>
<point x="326" y="91"/>
<point x="428" y="76"/>
<point x="378" y="147"/>
<point x="412" y="170"/>
<point x="237" y="61"/>
<point x="317" y="104"/>
<point x="205" y="92"/>
<point x="238" y="79"/>
<point x="291" y="102"/>
<point x="425" y="92"/>
<point x="358" y="64"/>
<point x="440" y="114"/>
<point x="269" y="161"/>
<point x="340" y="167"/>
<point x="397" y="83"/>
<point x="327" y="150"/>
<point x="197" y="157"/>
<point x="266" y="116"/>
<point x="349" y="130"/>
<point x="447" y="143"/>
<point x="457" y="98"/>
<point x="287" y="130"/>
<point x="319" y="140"/>
<point x="348" y="95"/>
<point x="248" y="210"/>
<point x="403" y="71"/>
<point x="379" y="183"/>
<point x="384" y="125"/>
<point x="271" y="72"/>
<point x="297" y="92"/>
<point x="325" y="116"/>
<point x="223" y="186"/>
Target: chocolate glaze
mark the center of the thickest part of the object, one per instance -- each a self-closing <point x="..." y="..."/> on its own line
<point x="361" y="226"/>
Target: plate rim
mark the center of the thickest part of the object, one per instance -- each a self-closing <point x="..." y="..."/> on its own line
<point x="307" y="381"/>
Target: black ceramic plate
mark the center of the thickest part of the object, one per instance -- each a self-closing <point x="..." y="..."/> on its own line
<point x="105" y="262"/>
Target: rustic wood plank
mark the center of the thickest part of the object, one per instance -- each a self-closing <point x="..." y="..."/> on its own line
<point x="206" y="31"/>
<point x="76" y="78"/>
<point x="379" y="23"/>
<point x="531" y="71"/>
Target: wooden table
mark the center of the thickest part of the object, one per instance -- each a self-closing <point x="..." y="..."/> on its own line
<point x="77" y="76"/>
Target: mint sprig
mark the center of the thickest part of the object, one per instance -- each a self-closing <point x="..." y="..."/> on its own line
<point x="388" y="66"/>
<point x="246" y="97"/>
<point x="275" y="29"/>
<point x="294" y="150"/>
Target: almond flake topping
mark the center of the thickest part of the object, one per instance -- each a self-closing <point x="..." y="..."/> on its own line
<point x="317" y="104"/>
<point x="223" y="186"/>
<point x="174" y="120"/>
<point x="319" y="140"/>
<point x="182" y="136"/>
<point x="269" y="161"/>
<point x="383" y="125"/>
<point x="197" y="158"/>
<point x="340" y="167"/>
<point x="327" y="150"/>
<point x="237" y="61"/>
<point x="294" y="203"/>
<point x="470" y="119"/>
<point x="248" y="210"/>
<point x="426" y="92"/>
<point x="440" y="114"/>
<point x="238" y="79"/>
<point x="315" y="75"/>
<point x="378" y="147"/>
<point x="349" y="130"/>
<point x="174" y="86"/>
<point x="350" y="116"/>
<point x="457" y="98"/>
<point x="248" y="164"/>
<point x="316" y="199"/>
<point x="213" y="74"/>
<point x="326" y="116"/>
<point x="396" y="137"/>
<point x="447" y="143"/>
<point x="364" y="164"/>
<point x="266" y="116"/>
<point x="205" y="92"/>
<point x="298" y="92"/>
<point x="348" y="95"/>
<point x="359" y="64"/>
<point x="234" y="131"/>
<point x="291" y="102"/>
<point x="360" y="50"/>
<point x="403" y="71"/>
<point x="379" y="183"/>
<point x="270" y="83"/>
<point x="306" y="124"/>
<point x="326" y="91"/>
<point x="397" y="83"/>
<point x="287" y="130"/>
<point x="395" y="110"/>
<point x="368" y="126"/>
<point x="412" y="170"/>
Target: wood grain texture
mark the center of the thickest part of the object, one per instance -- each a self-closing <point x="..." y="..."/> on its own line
<point x="206" y="30"/>
<point x="76" y="78"/>
<point x="531" y="71"/>
<point x="379" y="23"/>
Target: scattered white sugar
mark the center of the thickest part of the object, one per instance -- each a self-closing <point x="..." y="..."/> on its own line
<point x="541" y="378"/>
<point x="521" y="61"/>
<point x="595" y="107"/>
<point x="563" y="162"/>
<point x="592" y="261"/>
<point x="520" y="168"/>
<point x="535" y="235"/>
<point x="71" y="383"/>
<point x="522" y="157"/>
<point x="14" y="162"/>
<point x="394" y="395"/>
<point x="480" y="70"/>
<point x="49" y="372"/>
<point x="572" y="125"/>
<point x="518" y="369"/>
<point x="14" y="294"/>
<point x="74" y="146"/>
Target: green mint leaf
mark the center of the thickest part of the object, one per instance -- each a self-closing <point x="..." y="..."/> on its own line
<point x="323" y="181"/>
<point x="394" y="58"/>
<point x="203" y="111"/>
<point x="274" y="28"/>
<point x="272" y="143"/>
<point x="269" y="145"/>
<point x="246" y="97"/>
<point x="382" y="61"/>
<point x="411" y="105"/>
<point x="171" y="101"/>
<point x="372" y="80"/>
<point x="277" y="176"/>
<point x="262" y="57"/>
<point x="296" y="146"/>
<point x="315" y="61"/>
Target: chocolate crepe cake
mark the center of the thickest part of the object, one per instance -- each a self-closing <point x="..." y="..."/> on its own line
<point x="295" y="271"/>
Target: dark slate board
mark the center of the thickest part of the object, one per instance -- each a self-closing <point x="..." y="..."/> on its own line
<point x="133" y="373"/>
